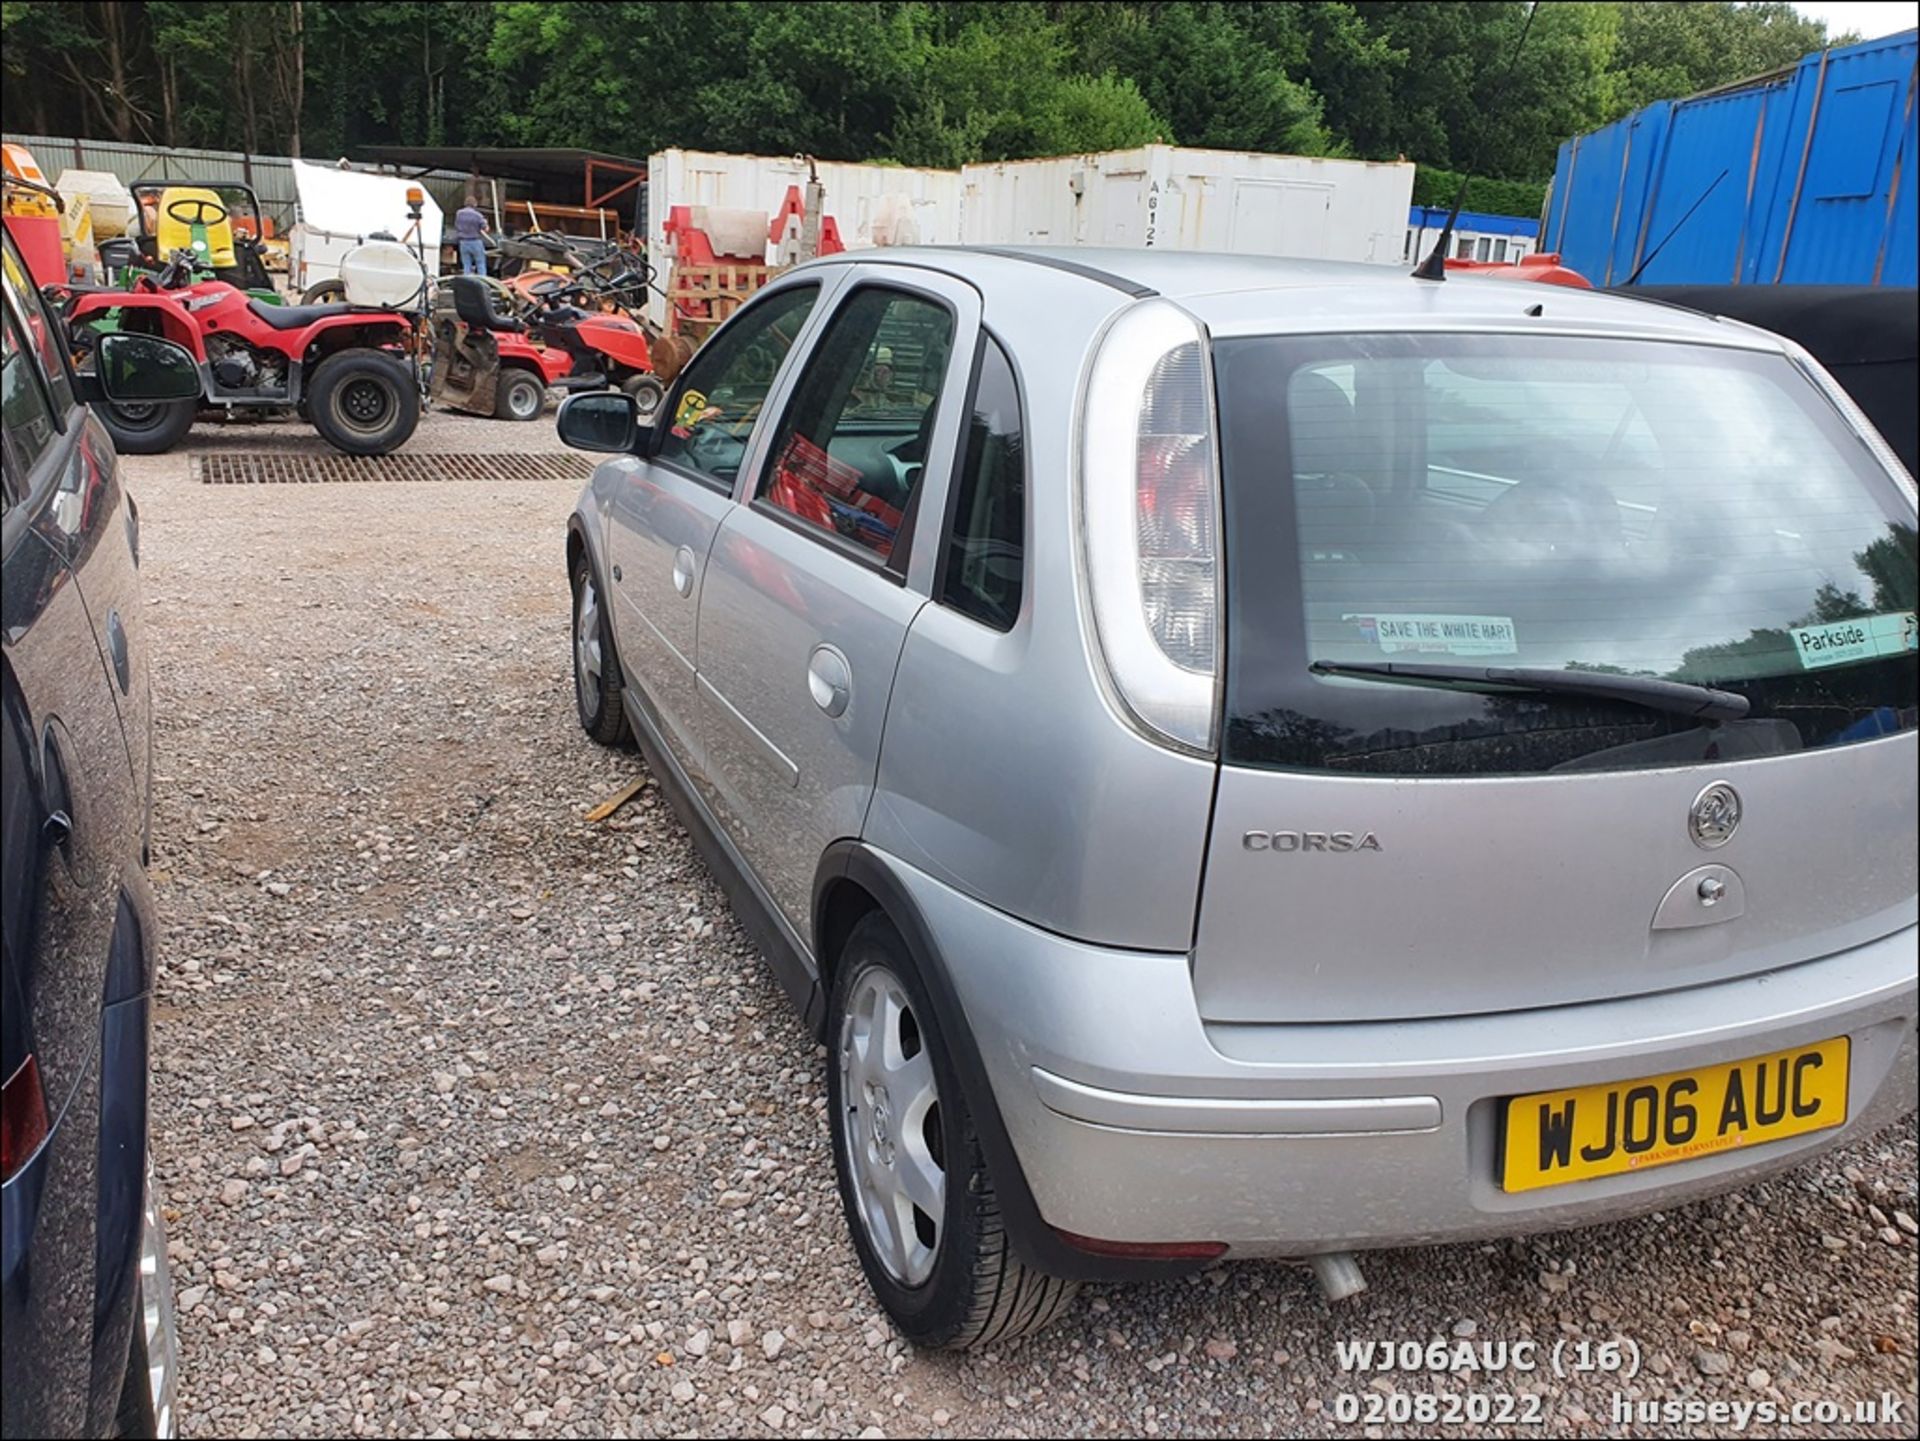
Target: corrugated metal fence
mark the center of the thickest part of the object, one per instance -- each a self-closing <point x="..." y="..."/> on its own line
<point x="1806" y="177"/>
<point x="271" y="176"/>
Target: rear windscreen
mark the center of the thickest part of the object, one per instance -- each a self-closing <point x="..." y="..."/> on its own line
<point x="1685" y="513"/>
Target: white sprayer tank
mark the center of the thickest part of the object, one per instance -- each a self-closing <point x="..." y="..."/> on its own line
<point x="383" y="273"/>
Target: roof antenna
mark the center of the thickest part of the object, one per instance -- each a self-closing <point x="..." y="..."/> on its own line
<point x="1434" y="267"/>
<point x="1641" y="268"/>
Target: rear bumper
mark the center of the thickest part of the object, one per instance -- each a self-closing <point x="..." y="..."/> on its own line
<point x="1133" y="1120"/>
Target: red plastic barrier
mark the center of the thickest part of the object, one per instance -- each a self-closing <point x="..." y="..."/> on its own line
<point x="38" y="237"/>
<point x="1544" y="268"/>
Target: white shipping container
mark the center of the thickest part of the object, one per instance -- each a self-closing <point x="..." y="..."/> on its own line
<point x="1158" y="195"/>
<point x="1170" y="197"/>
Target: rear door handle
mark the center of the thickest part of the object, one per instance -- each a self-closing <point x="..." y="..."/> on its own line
<point x="829" y="680"/>
<point x="683" y="564"/>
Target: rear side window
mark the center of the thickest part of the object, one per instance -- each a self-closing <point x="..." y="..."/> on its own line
<point x="854" y="446"/>
<point x="1659" y="511"/>
<point x="727" y="384"/>
<point x="985" y="553"/>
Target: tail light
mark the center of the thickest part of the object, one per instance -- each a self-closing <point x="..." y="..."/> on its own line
<point x="23" y="1117"/>
<point x="1150" y="499"/>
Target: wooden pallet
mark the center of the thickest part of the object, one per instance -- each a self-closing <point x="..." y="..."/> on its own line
<point x="700" y="297"/>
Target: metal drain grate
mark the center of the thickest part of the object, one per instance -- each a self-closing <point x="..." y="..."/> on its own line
<point x="279" y="468"/>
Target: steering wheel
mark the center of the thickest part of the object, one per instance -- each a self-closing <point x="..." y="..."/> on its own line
<point x="552" y="285"/>
<point x="201" y="205"/>
<point x="715" y="451"/>
<point x="176" y="274"/>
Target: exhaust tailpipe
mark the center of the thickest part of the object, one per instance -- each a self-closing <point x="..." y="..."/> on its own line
<point x="1339" y="1275"/>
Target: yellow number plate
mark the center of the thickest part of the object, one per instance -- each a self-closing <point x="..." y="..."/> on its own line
<point x="1559" y="1136"/>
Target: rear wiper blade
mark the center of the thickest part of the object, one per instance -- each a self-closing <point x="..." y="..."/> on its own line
<point x="1663" y="695"/>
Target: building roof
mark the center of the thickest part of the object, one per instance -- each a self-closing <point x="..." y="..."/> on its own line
<point x="1478" y="222"/>
<point x="555" y="165"/>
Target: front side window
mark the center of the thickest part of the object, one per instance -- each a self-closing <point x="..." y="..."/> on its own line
<point x="726" y="386"/>
<point x="44" y="330"/>
<point x="1591" y="509"/>
<point x="853" y="447"/>
<point x="985" y="555"/>
<point x="24" y="406"/>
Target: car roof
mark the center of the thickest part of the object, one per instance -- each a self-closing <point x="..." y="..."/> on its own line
<point x="1316" y="292"/>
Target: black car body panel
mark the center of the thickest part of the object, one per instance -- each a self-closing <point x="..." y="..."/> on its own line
<point x="78" y="912"/>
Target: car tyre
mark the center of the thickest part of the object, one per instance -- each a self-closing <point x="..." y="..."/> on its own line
<point x="149" y="429"/>
<point x="364" y="402"/>
<point x="647" y="393"/>
<point x="519" y="396"/>
<point x="596" y="665"/>
<point x="324" y="292"/>
<point x="904" y="1147"/>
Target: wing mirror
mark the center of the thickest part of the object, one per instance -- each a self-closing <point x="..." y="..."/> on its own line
<point x="140" y="369"/>
<point x="602" y="420"/>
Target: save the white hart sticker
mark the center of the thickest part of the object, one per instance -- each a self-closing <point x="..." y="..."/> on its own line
<point x="1439" y="634"/>
<point x="1841" y="641"/>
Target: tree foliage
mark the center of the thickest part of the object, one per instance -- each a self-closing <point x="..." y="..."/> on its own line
<point x="905" y="80"/>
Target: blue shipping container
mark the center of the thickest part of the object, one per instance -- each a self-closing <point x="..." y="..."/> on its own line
<point x="1803" y="177"/>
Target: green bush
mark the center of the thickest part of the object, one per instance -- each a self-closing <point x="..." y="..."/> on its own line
<point x="1524" y="198"/>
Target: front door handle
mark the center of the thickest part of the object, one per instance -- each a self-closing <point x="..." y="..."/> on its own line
<point x="829" y="680"/>
<point x="683" y="570"/>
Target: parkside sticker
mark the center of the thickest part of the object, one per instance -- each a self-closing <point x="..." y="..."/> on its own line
<point x="1841" y="641"/>
<point x="1439" y="634"/>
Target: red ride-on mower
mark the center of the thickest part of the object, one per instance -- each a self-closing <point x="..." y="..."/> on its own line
<point x="492" y="362"/>
<point x="349" y="369"/>
<point x="608" y="343"/>
<point x="484" y="362"/>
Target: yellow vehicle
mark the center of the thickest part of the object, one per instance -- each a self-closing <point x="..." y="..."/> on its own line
<point x="220" y="223"/>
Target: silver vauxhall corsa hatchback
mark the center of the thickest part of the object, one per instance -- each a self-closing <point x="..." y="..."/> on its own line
<point x="1256" y="758"/>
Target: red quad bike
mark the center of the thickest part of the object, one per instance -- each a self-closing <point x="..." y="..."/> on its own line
<point x="347" y="369"/>
<point x="495" y="363"/>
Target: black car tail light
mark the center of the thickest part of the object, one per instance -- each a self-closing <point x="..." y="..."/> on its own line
<point x="23" y="1117"/>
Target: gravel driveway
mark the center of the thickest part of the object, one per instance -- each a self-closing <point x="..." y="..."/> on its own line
<point x="474" y="1118"/>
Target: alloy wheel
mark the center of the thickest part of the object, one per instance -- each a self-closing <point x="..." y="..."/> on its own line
<point x="586" y="645"/>
<point x="891" y="1127"/>
<point x="157" y="1317"/>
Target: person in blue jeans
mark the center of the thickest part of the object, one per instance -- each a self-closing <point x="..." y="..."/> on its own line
<point x="469" y="226"/>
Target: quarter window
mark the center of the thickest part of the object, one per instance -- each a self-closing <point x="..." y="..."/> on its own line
<point x="985" y="554"/>
<point x="727" y="385"/>
<point x="854" y="445"/>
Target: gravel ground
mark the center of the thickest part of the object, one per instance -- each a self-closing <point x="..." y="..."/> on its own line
<point x="474" y="1118"/>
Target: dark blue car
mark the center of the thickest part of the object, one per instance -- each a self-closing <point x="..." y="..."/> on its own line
<point x="84" y="1296"/>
